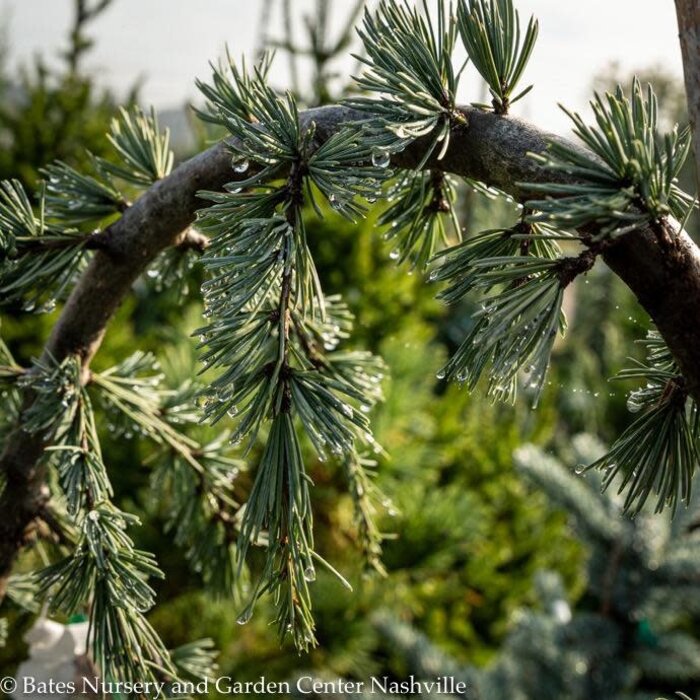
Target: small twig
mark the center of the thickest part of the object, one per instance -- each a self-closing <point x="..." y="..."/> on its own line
<point x="192" y="239"/>
<point x="571" y="268"/>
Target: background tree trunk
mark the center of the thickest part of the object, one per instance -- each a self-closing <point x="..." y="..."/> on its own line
<point x="688" y="12"/>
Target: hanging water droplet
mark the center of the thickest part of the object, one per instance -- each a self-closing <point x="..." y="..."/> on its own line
<point x="580" y="468"/>
<point x="240" y="164"/>
<point x="394" y="255"/>
<point x="233" y="411"/>
<point x="441" y="374"/>
<point x="365" y="408"/>
<point x="433" y="276"/>
<point x="309" y="573"/>
<point x="380" y="159"/>
<point x="244" y="617"/>
<point x="152" y="273"/>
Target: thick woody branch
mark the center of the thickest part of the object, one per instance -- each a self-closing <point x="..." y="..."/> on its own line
<point x="662" y="270"/>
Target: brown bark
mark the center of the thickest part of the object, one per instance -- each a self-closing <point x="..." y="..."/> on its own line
<point x="665" y="276"/>
<point x="688" y="13"/>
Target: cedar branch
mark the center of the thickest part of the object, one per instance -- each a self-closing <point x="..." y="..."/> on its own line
<point x="663" y="272"/>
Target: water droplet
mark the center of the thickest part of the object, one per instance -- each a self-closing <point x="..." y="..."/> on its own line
<point x="395" y="254"/>
<point x="580" y="468"/>
<point x="309" y="573"/>
<point x="335" y="202"/>
<point x="365" y="408"/>
<point x="152" y="273"/>
<point x="433" y="276"/>
<point x="240" y="164"/>
<point x="233" y="411"/>
<point x="441" y="374"/>
<point x="244" y="617"/>
<point x="94" y="516"/>
<point x="380" y="159"/>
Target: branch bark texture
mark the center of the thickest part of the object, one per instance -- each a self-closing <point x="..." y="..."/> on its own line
<point x="662" y="271"/>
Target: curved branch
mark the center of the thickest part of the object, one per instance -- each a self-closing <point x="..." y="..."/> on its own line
<point x="662" y="270"/>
